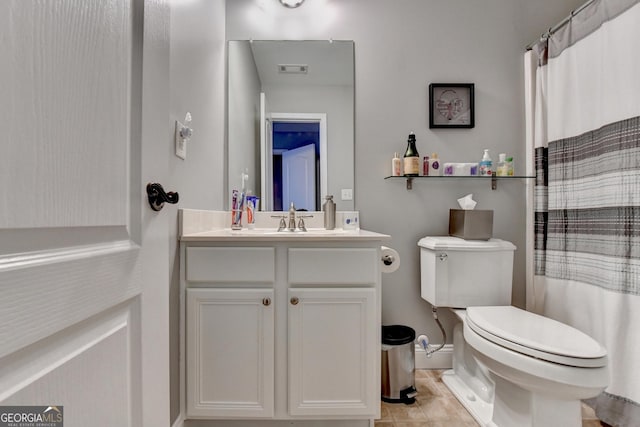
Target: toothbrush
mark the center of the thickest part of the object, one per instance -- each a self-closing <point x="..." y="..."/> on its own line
<point x="234" y="206"/>
<point x="240" y="206"/>
<point x="244" y="177"/>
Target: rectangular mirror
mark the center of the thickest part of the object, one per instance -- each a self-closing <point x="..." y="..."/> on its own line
<point x="290" y="113"/>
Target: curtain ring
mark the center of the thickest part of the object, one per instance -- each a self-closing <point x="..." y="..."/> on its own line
<point x="547" y="35"/>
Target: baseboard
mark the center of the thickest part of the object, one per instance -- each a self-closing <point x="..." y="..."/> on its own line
<point x="441" y="359"/>
<point x="179" y="422"/>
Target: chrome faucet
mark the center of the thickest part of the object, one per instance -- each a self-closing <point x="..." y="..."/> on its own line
<point x="292" y="220"/>
<point x="292" y="217"/>
<point x="283" y="223"/>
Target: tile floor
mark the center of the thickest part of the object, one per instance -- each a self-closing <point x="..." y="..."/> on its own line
<point x="435" y="406"/>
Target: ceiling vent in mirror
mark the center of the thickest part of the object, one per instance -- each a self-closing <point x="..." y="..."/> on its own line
<point x="291" y="3"/>
<point x="293" y="68"/>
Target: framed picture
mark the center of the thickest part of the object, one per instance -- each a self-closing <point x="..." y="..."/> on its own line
<point x="451" y="105"/>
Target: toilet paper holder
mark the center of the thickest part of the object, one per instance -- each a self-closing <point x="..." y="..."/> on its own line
<point x="388" y="259"/>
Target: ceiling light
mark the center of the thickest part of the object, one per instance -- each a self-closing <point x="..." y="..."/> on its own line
<point x="291" y="3"/>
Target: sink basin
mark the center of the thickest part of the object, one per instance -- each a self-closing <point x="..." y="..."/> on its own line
<point x="273" y="232"/>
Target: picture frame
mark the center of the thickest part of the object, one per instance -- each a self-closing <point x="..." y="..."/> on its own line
<point x="451" y="105"/>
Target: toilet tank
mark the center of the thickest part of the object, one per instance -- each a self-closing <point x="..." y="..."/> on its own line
<point x="461" y="273"/>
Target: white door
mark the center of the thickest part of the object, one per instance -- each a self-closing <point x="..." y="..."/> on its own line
<point x="82" y="281"/>
<point x="266" y="156"/>
<point x="299" y="178"/>
<point x="230" y="353"/>
<point x="332" y="352"/>
<point x="321" y="120"/>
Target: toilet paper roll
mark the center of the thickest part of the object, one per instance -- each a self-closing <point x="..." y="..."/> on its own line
<point x="389" y="259"/>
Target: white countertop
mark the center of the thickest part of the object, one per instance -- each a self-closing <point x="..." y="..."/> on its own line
<point x="212" y="226"/>
<point x="270" y="235"/>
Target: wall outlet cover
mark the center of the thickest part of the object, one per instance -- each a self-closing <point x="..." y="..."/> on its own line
<point x="347" y="194"/>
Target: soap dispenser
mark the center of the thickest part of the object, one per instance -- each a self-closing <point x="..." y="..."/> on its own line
<point x="329" y="209"/>
<point x="486" y="165"/>
<point x="501" y="167"/>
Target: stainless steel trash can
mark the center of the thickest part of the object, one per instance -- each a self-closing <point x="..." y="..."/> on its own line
<point x="398" y="364"/>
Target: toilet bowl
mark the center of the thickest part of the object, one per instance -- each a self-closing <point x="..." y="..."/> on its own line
<point x="510" y="367"/>
<point x="541" y="368"/>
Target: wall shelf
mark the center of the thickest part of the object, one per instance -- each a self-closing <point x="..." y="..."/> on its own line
<point x="492" y="179"/>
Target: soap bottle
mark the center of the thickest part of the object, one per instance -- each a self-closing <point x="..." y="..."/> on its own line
<point x="411" y="157"/>
<point x="434" y="165"/>
<point x="509" y="166"/>
<point x="396" y="168"/>
<point x="486" y="165"/>
<point x="329" y="209"/>
<point x="501" y="167"/>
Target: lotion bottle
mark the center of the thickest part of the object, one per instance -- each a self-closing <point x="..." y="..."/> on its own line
<point x="501" y="168"/>
<point x="509" y="166"/>
<point x="396" y="165"/>
<point x="434" y="165"/>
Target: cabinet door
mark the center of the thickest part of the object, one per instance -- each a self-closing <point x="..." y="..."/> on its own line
<point x="230" y="353"/>
<point x="333" y="356"/>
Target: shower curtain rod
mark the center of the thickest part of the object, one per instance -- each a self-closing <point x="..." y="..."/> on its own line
<point x="562" y="23"/>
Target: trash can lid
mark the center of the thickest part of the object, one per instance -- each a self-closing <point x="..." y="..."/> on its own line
<point x="397" y="334"/>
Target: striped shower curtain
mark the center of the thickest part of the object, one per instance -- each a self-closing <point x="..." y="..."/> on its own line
<point x="583" y="128"/>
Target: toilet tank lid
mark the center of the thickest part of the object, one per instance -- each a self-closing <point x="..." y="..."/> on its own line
<point x="456" y="243"/>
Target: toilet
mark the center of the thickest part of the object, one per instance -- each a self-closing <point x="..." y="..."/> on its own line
<point x="511" y="367"/>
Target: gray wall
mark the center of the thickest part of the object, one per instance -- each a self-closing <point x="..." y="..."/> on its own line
<point x="198" y="86"/>
<point x="243" y="131"/>
<point x="401" y="47"/>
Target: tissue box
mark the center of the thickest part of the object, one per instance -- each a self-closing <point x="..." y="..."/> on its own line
<point x="471" y="224"/>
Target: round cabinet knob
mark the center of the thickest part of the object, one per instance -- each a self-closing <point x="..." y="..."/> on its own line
<point x="266" y="302"/>
<point x="295" y="300"/>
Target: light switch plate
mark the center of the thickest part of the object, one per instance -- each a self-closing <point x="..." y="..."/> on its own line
<point x="347" y="194"/>
<point x="181" y="143"/>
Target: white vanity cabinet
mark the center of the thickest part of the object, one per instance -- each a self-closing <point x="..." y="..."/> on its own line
<point x="230" y="352"/>
<point x="333" y="330"/>
<point x="282" y="329"/>
<point x="332" y="352"/>
<point x="229" y="331"/>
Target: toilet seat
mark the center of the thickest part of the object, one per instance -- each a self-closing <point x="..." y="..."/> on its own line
<point x="536" y="336"/>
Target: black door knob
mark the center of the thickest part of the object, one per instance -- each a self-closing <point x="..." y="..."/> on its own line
<point x="157" y="196"/>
